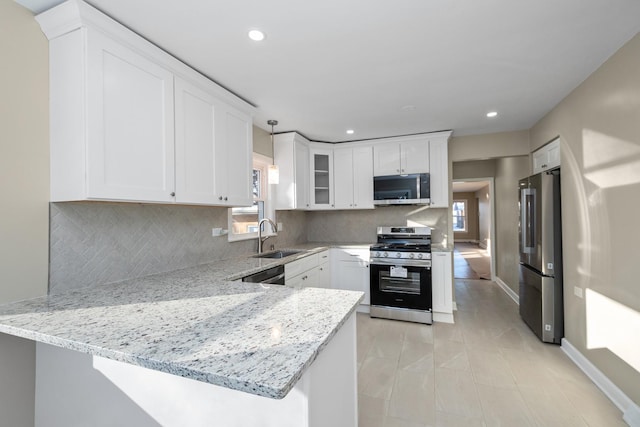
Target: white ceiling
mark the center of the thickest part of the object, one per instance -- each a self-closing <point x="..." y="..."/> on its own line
<point x="332" y="65"/>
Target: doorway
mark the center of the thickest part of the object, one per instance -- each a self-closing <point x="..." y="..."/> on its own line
<point x="473" y="226"/>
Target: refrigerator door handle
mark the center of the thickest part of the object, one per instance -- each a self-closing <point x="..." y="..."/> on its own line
<point x="528" y="220"/>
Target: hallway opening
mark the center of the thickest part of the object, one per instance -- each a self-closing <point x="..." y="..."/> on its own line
<point x="473" y="225"/>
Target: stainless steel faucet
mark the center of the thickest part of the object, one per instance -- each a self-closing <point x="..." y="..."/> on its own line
<point x="261" y="239"/>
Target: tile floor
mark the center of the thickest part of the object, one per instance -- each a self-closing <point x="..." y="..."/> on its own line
<point x="487" y="369"/>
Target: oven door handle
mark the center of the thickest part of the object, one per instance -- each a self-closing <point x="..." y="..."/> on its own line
<point x="403" y="263"/>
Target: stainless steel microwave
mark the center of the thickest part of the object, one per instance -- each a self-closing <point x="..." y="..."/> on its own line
<point x="411" y="189"/>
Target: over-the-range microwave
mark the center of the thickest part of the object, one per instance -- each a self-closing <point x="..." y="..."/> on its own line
<point x="413" y="189"/>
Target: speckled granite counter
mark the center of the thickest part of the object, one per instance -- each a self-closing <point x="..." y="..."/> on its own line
<point x="194" y="323"/>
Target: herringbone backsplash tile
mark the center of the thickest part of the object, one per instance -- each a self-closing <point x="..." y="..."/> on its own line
<point x="94" y="243"/>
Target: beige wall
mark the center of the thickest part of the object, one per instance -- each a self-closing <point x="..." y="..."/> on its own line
<point x="262" y="142"/>
<point x="24" y="183"/>
<point x="508" y="171"/>
<point x="474" y="169"/>
<point x="484" y="217"/>
<point x="472" y="217"/>
<point x="599" y="123"/>
<point x="488" y="146"/>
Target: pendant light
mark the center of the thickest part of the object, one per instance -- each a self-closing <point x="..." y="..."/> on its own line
<point x="274" y="172"/>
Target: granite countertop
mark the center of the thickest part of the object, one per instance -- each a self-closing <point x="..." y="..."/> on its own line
<point x="195" y="323"/>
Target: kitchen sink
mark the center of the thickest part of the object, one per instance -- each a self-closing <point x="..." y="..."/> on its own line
<point x="277" y="254"/>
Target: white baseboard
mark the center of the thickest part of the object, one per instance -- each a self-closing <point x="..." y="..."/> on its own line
<point x="514" y="296"/>
<point x="630" y="410"/>
<point x="363" y="308"/>
<point x="443" y="317"/>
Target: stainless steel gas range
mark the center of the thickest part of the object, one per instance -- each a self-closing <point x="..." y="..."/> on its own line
<point x="400" y="282"/>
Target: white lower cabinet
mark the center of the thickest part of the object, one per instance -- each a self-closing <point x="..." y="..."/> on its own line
<point x="442" y="294"/>
<point x="310" y="271"/>
<point x="350" y="270"/>
<point x="324" y="270"/>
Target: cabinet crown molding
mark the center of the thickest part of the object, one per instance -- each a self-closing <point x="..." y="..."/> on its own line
<point x="74" y="15"/>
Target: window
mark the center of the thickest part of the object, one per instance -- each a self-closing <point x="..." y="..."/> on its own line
<point x="243" y="222"/>
<point x="459" y="215"/>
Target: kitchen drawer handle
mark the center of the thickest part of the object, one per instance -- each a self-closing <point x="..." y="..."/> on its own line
<point x="225" y="198"/>
<point x="220" y="198"/>
<point x="304" y="277"/>
<point x="173" y="194"/>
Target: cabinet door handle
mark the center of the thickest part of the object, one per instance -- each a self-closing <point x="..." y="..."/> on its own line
<point x="225" y="198"/>
<point x="321" y="269"/>
<point x="397" y="170"/>
<point x="220" y="198"/>
<point x="173" y="194"/>
<point x="304" y="277"/>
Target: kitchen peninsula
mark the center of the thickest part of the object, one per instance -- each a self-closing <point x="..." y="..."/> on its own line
<point x="191" y="346"/>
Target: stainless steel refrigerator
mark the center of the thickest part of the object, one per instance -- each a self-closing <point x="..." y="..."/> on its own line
<point x="540" y="231"/>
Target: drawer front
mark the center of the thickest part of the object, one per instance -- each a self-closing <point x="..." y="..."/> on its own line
<point x="323" y="257"/>
<point x="299" y="266"/>
<point x="351" y="254"/>
<point x="304" y="280"/>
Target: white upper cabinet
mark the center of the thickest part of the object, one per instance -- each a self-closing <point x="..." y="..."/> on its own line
<point x="129" y="124"/>
<point x="321" y="161"/>
<point x="353" y="178"/>
<point x="398" y="156"/>
<point x="210" y="136"/>
<point x="386" y="159"/>
<point x="291" y="154"/>
<point x="121" y="131"/>
<point x="439" y="172"/>
<point x="233" y="165"/>
<point x="195" y="144"/>
<point x="414" y="156"/>
<point x="546" y="157"/>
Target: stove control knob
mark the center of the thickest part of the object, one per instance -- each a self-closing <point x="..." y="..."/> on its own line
<point x="419" y="256"/>
<point x="398" y="255"/>
<point x="410" y="255"/>
<point x="386" y="254"/>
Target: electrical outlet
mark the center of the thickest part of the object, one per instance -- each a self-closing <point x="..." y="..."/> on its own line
<point x="577" y="291"/>
<point x="547" y="328"/>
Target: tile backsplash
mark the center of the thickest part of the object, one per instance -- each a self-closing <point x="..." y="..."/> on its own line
<point x="93" y="243"/>
<point x="359" y="226"/>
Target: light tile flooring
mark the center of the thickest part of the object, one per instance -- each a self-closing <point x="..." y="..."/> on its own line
<point x="487" y="369"/>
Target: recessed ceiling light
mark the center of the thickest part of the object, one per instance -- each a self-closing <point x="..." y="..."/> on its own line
<point x="350" y="131"/>
<point x="492" y="114"/>
<point x="256" y="35"/>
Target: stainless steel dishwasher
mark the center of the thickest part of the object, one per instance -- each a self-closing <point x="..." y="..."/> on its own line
<point x="273" y="276"/>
